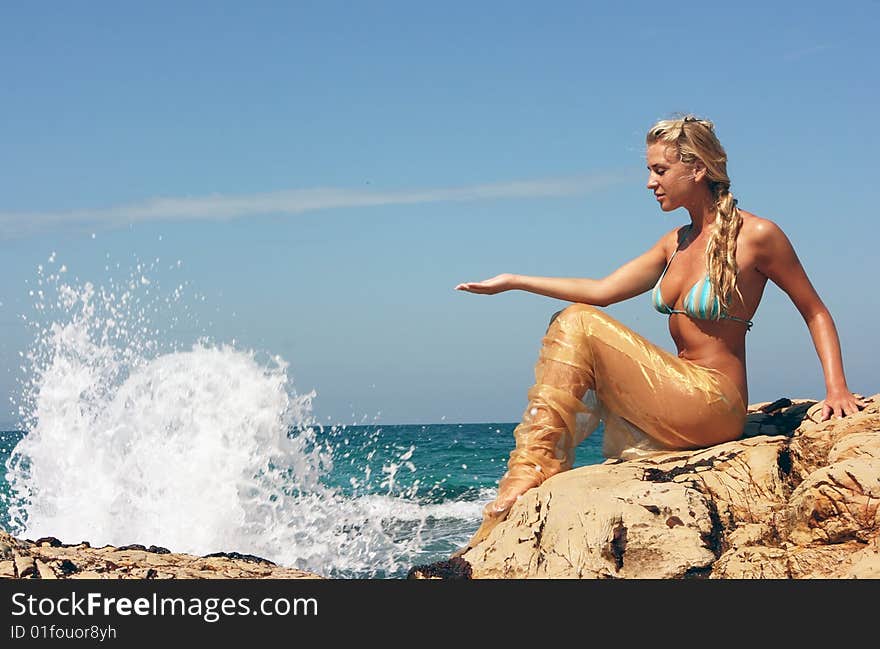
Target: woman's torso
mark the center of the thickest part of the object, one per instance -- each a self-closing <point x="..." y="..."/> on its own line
<point x="717" y="344"/>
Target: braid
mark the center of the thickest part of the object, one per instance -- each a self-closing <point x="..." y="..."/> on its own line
<point x="721" y="246"/>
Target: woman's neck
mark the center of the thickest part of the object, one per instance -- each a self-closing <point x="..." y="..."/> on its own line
<point x="702" y="215"/>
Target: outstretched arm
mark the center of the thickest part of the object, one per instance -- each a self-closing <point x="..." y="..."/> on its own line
<point x="631" y="279"/>
<point x="778" y="261"/>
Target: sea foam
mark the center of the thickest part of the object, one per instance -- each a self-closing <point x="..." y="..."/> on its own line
<point x="133" y="437"/>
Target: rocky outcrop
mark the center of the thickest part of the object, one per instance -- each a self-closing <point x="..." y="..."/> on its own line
<point x="48" y="558"/>
<point x="794" y="498"/>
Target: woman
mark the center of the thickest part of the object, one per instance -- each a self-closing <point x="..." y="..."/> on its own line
<point x="723" y="259"/>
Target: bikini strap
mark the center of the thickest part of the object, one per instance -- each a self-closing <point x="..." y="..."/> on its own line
<point x="681" y="237"/>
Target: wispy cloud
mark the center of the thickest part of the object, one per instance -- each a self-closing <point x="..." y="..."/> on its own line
<point x="220" y="207"/>
<point x="796" y="55"/>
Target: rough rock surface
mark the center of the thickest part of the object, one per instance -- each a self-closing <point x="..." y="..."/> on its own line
<point x="48" y="558"/>
<point x="794" y="498"/>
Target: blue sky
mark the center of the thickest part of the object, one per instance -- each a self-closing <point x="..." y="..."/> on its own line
<point x="327" y="172"/>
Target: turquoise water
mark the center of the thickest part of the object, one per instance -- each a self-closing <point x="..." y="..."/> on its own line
<point x="454" y="461"/>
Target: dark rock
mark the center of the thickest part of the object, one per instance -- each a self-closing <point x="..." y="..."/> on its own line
<point x="51" y="541"/>
<point x="242" y="557"/>
<point x="454" y="569"/>
<point x="158" y="550"/>
<point x="67" y="567"/>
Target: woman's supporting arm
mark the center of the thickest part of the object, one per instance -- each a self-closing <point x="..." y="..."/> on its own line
<point x="777" y="259"/>
<point x="839" y="401"/>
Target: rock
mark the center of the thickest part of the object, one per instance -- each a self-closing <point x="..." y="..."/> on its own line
<point x="51" y="541"/>
<point x="7" y="570"/>
<point x="45" y="571"/>
<point x="48" y="558"/>
<point x="453" y="569"/>
<point x="795" y="498"/>
<point x="837" y="503"/>
<point x="24" y="567"/>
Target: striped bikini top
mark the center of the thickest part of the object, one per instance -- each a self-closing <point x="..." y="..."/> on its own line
<point x="700" y="302"/>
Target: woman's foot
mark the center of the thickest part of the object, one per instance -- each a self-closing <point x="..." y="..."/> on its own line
<point x="509" y="491"/>
<point x="491" y="518"/>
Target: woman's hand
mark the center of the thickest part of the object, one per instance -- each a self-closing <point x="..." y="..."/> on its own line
<point x="841" y="403"/>
<point x="497" y="284"/>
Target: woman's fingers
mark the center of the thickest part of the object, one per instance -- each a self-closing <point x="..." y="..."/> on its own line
<point x="855" y="405"/>
<point x="489" y="286"/>
<point x="474" y="287"/>
<point x="840" y="408"/>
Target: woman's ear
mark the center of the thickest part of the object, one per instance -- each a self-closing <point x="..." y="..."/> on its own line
<point x="699" y="171"/>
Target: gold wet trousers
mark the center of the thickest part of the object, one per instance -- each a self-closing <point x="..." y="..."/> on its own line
<point x="592" y="367"/>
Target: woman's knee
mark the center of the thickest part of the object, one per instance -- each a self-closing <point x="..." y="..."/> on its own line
<point x="553" y="318"/>
<point x="573" y="312"/>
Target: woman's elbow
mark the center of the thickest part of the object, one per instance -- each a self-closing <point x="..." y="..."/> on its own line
<point x="607" y="298"/>
<point x="601" y="296"/>
<point x="817" y="313"/>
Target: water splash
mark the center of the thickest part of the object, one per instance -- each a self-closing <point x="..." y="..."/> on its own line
<point x="135" y="438"/>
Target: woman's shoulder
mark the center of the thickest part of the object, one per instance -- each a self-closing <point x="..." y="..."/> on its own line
<point x="756" y="229"/>
<point x="760" y="234"/>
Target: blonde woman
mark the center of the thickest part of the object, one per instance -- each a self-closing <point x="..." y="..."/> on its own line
<point x="708" y="276"/>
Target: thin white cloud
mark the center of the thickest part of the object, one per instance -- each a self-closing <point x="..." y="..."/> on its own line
<point x="219" y="207"/>
<point x="796" y="55"/>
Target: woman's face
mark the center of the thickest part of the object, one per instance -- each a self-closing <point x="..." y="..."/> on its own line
<point x="672" y="181"/>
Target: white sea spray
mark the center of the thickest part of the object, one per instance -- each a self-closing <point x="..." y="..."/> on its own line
<point x="134" y="436"/>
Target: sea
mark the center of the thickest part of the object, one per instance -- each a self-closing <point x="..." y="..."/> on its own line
<point x="129" y="436"/>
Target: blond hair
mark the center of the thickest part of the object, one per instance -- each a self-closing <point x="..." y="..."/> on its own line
<point x="695" y="140"/>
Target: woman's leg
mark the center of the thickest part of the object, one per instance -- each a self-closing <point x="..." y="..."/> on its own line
<point x="677" y="403"/>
